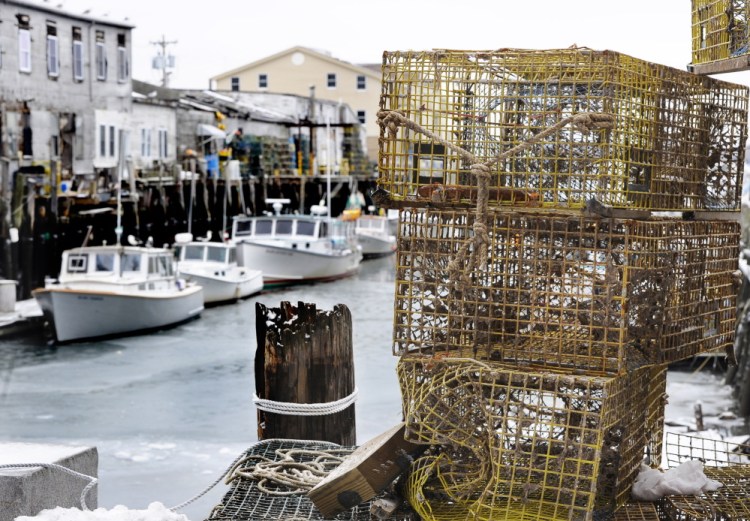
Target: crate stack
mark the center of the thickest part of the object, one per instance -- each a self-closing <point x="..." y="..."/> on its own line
<point x="536" y="309"/>
<point x="720" y="36"/>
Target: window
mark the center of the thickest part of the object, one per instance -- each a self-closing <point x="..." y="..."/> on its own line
<point x="305" y="228"/>
<point x="105" y="262"/>
<point x="77" y="263"/>
<point x="193" y="252"/>
<point x="130" y="262"/>
<point x="53" y="52"/>
<point x="331" y="80"/>
<point x="361" y="82"/>
<point x="101" y="57"/>
<point x="112" y="146"/>
<point x="24" y="50"/>
<point x="77" y="54"/>
<point x="216" y="254"/>
<point x="102" y="141"/>
<point x="283" y="227"/>
<point x="263" y="227"/>
<point x="263" y="81"/>
<point x="145" y="142"/>
<point x="235" y="83"/>
<point x="123" y="69"/>
<point x="162" y="143"/>
<point x="361" y="116"/>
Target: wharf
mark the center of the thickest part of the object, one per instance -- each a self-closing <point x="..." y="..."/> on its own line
<point x="26" y="316"/>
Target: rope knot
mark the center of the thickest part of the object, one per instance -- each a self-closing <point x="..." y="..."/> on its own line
<point x="481" y="170"/>
<point x="588" y="122"/>
<point x="390" y="120"/>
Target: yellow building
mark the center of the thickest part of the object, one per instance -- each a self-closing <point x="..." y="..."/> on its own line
<point x="296" y="70"/>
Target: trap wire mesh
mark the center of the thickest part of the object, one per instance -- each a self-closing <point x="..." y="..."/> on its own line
<point x="719" y="29"/>
<point x="677" y="140"/>
<point x="515" y="444"/>
<point x="723" y="461"/>
<point x="270" y="499"/>
<point x="565" y="291"/>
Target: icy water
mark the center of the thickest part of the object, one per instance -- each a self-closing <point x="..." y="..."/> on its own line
<point x="168" y="412"/>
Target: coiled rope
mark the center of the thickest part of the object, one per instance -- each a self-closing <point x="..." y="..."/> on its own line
<point x="391" y="120"/>
<point x="92" y="480"/>
<point x="305" y="409"/>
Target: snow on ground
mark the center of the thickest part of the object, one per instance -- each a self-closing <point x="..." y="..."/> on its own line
<point x="154" y="512"/>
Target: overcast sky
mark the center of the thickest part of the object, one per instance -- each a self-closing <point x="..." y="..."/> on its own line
<point x="218" y="35"/>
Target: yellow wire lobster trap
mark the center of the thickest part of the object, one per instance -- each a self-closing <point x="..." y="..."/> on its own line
<point x="719" y="30"/>
<point x="565" y="291"/>
<point x="723" y="461"/>
<point x="516" y="444"/>
<point x="676" y="141"/>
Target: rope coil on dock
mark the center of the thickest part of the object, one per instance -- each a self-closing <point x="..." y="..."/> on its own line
<point x="305" y="409"/>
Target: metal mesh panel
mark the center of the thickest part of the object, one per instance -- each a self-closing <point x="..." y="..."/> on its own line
<point x="520" y="444"/>
<point x="565" y="291"/>
<point x="637" y="511"/>
<point x="656" y="402"/>
<point x="719" y="29"/>
<point x="245" y="501"/>
<point x="678" y="140"/>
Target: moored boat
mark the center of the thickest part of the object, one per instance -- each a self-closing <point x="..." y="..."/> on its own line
<point x="374" y="236"/>
<point x="105" y="291"/>
<point x="293" y="249"/>
<point x="213" y="265"/>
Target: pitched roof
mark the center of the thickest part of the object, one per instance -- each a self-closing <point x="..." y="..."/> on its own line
<point x="306" y="50"/>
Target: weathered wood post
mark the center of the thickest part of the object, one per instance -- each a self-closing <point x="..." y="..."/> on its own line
<point x="304" y="356"/>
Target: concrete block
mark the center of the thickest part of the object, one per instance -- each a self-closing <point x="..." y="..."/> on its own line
<point x="28" y="491"/>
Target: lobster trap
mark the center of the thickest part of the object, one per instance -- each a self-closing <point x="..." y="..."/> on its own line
<point x="564" y="291"/>
<point x="720" y="33"/>
<point x="723" y="461"/>
<point x="675" y="140"/>
<point x="516" y="444"/>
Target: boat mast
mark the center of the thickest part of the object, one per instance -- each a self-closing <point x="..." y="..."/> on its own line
<point x="328" y="165"/>
<point x="120" y="167"/>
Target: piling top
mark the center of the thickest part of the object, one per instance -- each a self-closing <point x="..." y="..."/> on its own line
<point x="18" y="453"/>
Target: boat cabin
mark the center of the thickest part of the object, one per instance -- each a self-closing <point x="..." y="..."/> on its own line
<point x="113" y="262"/>
<point x="300" y="228"/>
<point x="207" y="252"/>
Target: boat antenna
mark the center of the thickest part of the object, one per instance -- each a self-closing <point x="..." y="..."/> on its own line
<point x="120" y="168"/>
<point x="328" y="165"/>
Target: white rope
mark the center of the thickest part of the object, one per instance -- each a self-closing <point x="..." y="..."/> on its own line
<point x="92" y="480"/>
<point x="305" y="409"/>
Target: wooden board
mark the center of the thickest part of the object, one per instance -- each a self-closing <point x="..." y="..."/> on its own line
<point x="365" y="473"/>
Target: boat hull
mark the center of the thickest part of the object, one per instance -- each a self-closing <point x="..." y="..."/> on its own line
<point x="217" y="289"/>
<point x="283" y="266"/>
<point x="374" y="247"/>
<point x="76" y="314"/>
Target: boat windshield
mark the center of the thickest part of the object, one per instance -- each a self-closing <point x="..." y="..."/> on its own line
<point x="193" y="252"/>
<point x="263" y="227"/>
<point x="306" y="228"/>
<point x="130" y="262"/>
<point x="243" y="228"/>
<point x="105" y="262"/>
<point x="283" y="227"/>
<point x="216" y="254"/>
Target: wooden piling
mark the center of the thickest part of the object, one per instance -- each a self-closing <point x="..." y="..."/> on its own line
<point x="305" y="356"/>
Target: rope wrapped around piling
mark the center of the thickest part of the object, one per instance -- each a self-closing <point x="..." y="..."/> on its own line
<point x="391" y="120"/>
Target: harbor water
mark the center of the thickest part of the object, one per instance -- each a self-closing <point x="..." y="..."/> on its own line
<point x="169" y="411"/>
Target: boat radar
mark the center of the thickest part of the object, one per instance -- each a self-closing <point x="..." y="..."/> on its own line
<point x="277" y="204"/>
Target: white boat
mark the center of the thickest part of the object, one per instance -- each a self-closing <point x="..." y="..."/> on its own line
<point x="375" y="236"/>
<point x="213" y="265"/>
<point x="293" y="249"/>
<point x="105" y="291"/>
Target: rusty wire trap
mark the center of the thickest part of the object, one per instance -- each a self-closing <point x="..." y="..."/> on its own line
<point x="672" y="140"/>
<point x="522" y="444"/>
<point x="719" y="30"/>
<point x="723" y="461"/>
<point x="561" y="290"/>
<point x="261" y="490"/>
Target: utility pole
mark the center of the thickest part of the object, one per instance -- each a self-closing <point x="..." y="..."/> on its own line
<point x="162" y="61"/>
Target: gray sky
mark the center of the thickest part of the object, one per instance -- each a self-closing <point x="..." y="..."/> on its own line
<point x="218" y="35"/>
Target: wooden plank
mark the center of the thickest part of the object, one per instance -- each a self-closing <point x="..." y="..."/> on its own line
<point x="737" y="64"/>
<point x="366" y="472"/>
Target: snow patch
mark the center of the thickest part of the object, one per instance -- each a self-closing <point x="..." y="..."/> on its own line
<point x="155" y="512"/>
<point x="686" y="479"/>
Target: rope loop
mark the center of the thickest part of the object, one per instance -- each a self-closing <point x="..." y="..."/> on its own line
<point x="390" y="120"/>
<point x="305" y="409"/>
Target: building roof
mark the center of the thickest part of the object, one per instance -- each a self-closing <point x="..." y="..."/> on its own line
<point x="306" y="50"/>
<point x="58" y="10"/>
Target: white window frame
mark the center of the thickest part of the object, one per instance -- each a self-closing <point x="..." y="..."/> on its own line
<point x="163" y="143"/>
<point x="24" y="49"/>
<point x="53" y="56"/>
<point x="101" y="61"/>
<point x="331" y="80"/>
<point x="234" y="83"/>
<point x="112" y="141"/>
<point x="361" y="85"/>
<point x="77" y="60"/>
<point x="102" y="140"/>
<point x="123" y="69"/>
<point x="262" y="81"/>
<point x="362" y="116"/>
<point x="145" y="142"/>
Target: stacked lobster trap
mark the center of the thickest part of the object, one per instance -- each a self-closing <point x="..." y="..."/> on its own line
<point x="567" y="228"/>
<point x="720" y="35"/>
